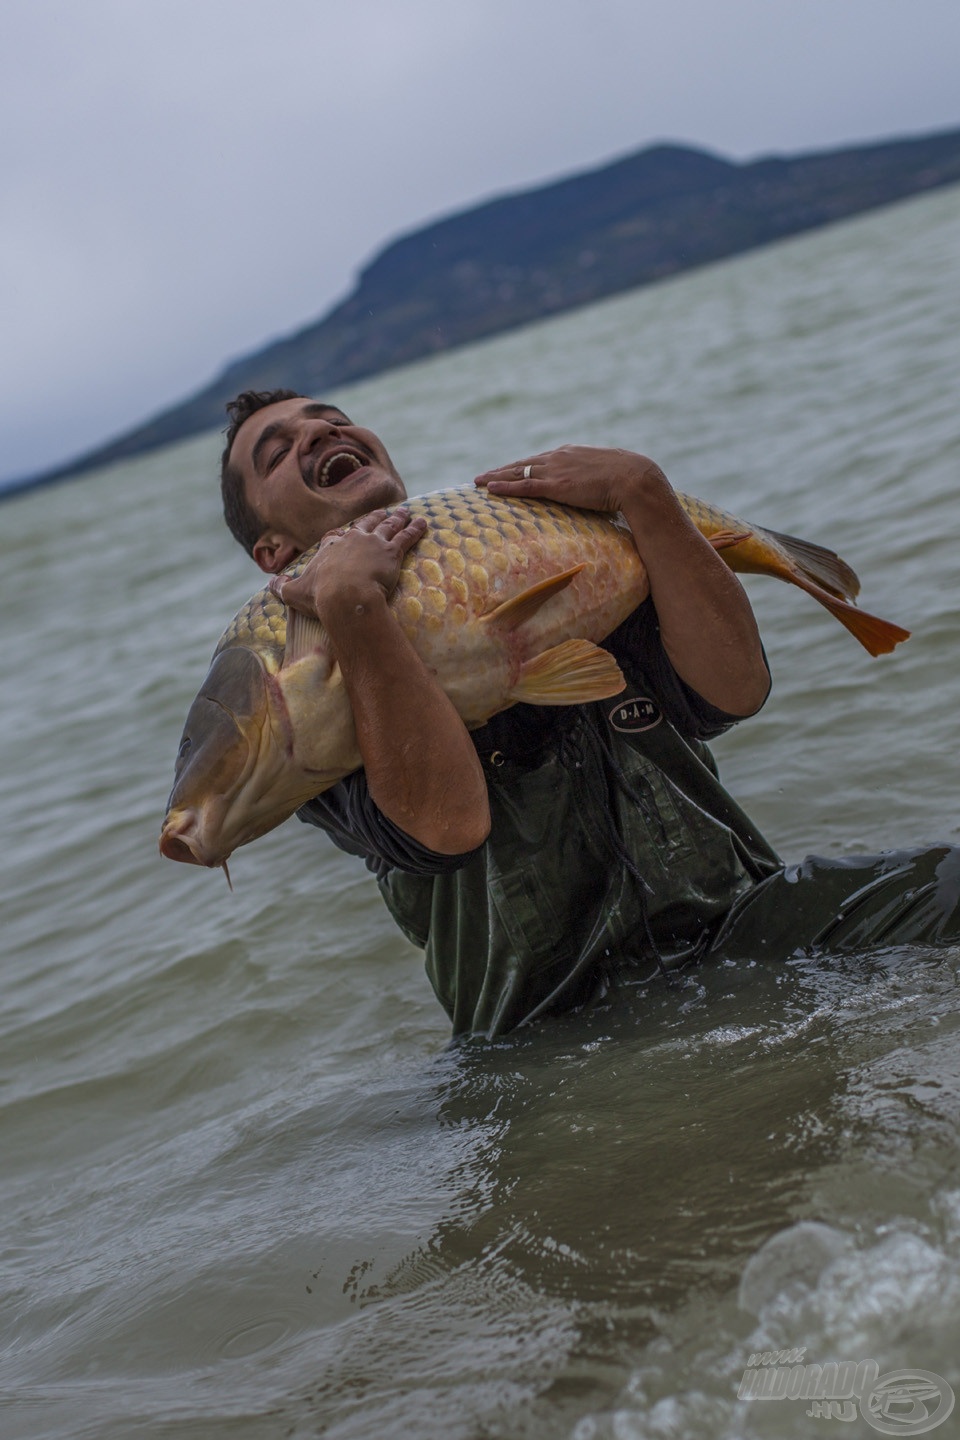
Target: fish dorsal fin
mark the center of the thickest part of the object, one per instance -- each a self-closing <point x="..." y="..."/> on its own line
<point x="305" y="636"/>
<point x="569" y="674"/>
<point x="523" y="606"/>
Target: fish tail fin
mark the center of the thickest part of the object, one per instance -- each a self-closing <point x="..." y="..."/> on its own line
<point x="878" y="637"/>
<point x="822" y="567"/>
<point x="818" y="571"/>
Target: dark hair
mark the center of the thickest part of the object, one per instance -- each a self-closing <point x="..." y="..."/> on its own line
<point x="242" y="520"/>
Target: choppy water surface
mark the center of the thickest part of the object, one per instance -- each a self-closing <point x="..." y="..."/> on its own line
<point x="247" y="1190"/>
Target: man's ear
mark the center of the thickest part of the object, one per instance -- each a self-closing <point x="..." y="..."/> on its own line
<point x="274" y="552"/>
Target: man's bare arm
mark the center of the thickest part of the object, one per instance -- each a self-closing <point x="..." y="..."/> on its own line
<point x="422" y="769"/>
<point x="706" y="622"/>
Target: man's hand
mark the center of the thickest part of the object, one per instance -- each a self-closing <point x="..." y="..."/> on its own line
<point x="352" y="567"/>
<point x="583" y="475"/>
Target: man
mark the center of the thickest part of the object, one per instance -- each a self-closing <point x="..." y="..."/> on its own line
<point x="555" y="853"/>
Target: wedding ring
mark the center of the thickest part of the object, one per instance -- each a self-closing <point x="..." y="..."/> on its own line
<point x="527" y="471"/>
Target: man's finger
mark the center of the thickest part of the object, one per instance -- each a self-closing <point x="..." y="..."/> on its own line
<point x="393" y="523"/>
<point x="370" y="521"/>
<point x="292" y="594"/>
<point x="505" y="483"/>
<point x="411" y="533"/>
<point x="524" y="469"/>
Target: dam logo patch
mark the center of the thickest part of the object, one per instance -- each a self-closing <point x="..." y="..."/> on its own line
<point x="632" y="716"/>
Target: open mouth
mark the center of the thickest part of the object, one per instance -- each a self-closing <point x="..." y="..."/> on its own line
<point x="337" y="466"/>
<point x="175" y="847"/>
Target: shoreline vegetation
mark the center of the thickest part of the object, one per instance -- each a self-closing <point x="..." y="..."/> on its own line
<point x="530" y="254"/>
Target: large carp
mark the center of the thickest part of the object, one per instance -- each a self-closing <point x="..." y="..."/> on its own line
<point x="504" y="599"/>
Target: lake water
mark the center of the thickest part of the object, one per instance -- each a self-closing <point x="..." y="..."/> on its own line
<point x="247" y="1188"/>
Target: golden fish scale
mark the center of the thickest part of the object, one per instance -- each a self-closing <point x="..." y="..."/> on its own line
<point x="479" y="550"/>
<point x="707" y="518"/>
<point x="261" y="624"/>
<point x="759" y="544"/>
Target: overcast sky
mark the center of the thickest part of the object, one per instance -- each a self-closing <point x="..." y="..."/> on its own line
<point x="183" y="180"/>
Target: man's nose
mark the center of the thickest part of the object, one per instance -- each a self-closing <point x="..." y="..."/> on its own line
<point x="321" y="432"/>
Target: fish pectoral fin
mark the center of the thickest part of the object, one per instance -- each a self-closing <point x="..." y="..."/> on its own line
<point x="569" y="674"/>
<point x="525" y="605"/>
<point x="726" y="539"/>
<point x="305" y="636"/>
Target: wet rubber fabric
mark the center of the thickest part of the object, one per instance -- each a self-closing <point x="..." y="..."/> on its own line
<point x="614" y="851"/>
<point x="899" y="897"/>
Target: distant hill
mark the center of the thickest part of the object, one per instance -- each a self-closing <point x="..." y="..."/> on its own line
<point x="521" y="256"/>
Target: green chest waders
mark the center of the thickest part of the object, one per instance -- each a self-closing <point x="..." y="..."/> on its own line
<point x="614" y="852"/>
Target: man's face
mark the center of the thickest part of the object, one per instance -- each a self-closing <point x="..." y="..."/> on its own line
<point x="307" y="470"/>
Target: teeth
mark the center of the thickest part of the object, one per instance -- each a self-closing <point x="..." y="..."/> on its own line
<point x="338" y="458"/>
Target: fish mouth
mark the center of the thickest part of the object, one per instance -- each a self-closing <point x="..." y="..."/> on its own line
<point x="337" y="464"/>
<point x="180" y="840"/>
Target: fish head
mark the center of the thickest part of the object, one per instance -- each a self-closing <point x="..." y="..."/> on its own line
<point x="256" y="745"/>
